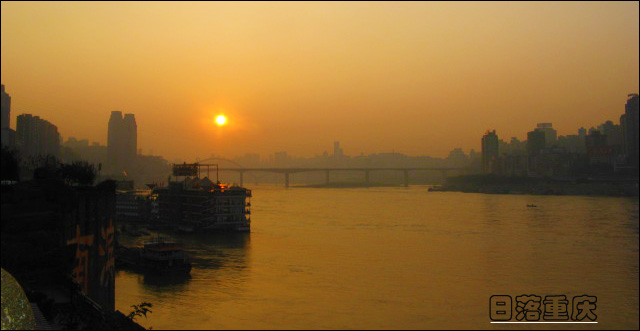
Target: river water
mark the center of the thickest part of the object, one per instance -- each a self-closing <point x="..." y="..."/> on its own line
<point x="398" y="258"/>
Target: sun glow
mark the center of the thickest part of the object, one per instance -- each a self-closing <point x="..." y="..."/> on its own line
<point x="221" y="120"/>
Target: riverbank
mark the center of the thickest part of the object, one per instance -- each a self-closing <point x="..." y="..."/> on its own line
<point x="491" y="184"/>
<point x="347" y="185"/>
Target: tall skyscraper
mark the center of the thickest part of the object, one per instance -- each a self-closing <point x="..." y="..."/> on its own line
<point x="131" y="129"/>
<point x="550" y="134"/>
<point x="36" y="137"/>
<point x="337" y="151"/>
<point x="489" y="151"/>
<point x="613" y="132"/>
<point x="122" y="142"/>
<point x="6" y="109"/>
<point x="629" y="123"/>
<point x="8" y="135"/>
<point x="536" y="141"/>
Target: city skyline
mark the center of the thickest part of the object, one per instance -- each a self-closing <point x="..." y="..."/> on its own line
<point x="127" y="135"/>
<point x="351" y="73"/>
<point x="550" y="133"/>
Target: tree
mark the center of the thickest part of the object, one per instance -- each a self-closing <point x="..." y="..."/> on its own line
<point x="140" y="310"/>
<point x="79" y="173"/>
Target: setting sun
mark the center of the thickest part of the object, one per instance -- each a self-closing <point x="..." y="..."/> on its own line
<point x="221" y="120"/>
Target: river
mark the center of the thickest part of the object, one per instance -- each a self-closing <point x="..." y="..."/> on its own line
<point x="398" y="258"/>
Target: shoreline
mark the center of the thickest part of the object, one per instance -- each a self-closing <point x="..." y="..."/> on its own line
<point x="535" y="186"/>
<point x="346" y="185"/>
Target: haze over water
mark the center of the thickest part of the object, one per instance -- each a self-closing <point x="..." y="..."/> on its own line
<point x="398" y="258"/>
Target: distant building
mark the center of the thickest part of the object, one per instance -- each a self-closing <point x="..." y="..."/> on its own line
<point x="122" y="142"/>
<point x="550" y="134"/>
<point x="456" y="153"/>
<point x="281" y="159"/>
<point x="8" y="135"/>
<point x="513" y="164"/>
<point x="514" y="146"/>
<point x="81" y="150"/>
<point x="596" y="138"/>
<point x="458" y="158"/>
<point x="601" y="155"/>
<point x="582" y="132"/>
<point x="490" y="151"/>
<point x="613" y="133"/>
<point x="36" y="137"/>
<point x="629" y="124"/>
<point x="614" y="140"/>
<point x="554" y="162"/>
<point x="536" y="142"/>
<point x="337" y="151"/>
<point x="573" y="143"/>
<point x="6" y="109"/>
<point x="249" y="160"/>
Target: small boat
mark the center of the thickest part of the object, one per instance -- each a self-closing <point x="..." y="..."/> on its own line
<point x="532" y="206"/>
<point x="157" y="257"/>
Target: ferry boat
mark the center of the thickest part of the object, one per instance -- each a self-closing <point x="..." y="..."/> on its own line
<point x="165" y="257"/>
<point x="196" y="204"/>
<point x="157" y="257"/>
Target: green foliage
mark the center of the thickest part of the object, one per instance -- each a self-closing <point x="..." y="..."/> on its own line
<point x="140" y="310"/>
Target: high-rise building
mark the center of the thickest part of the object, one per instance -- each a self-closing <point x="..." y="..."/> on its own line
<point x="337" y="151"/>
<point x="131" y="129"/>
<point x="8" y="135"/>
<point x="489" y="151"/>
<point x="550" y="134"/>
<point x="582" y="132"/>
<point x="598" y="149"/>
<point x="36" y="137"/>
<point x="457" y="158"/>
<point x="122" y="142"/>
<point x="6" y="108"/>
<point x="536" y="142"/>
<point x="629" y="124"/>
<point x="612" y="131"/>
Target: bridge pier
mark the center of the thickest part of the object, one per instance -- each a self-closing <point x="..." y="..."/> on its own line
<point x="286" y="179"/>
<point x="406" y="178"/>
<point x="326" y="173"/>
<point x="366" y="176"/>
<point x="241" y="178"/>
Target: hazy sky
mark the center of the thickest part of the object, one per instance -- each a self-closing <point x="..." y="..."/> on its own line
<point x="417" y="78"/>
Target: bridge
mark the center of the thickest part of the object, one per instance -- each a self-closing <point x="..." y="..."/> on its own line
<point x="288" y="171"/>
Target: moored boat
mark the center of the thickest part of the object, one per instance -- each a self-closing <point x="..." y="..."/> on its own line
<point x="157" y="257"/>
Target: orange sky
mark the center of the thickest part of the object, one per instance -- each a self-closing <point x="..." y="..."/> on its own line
<point x="417" y="78"/>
